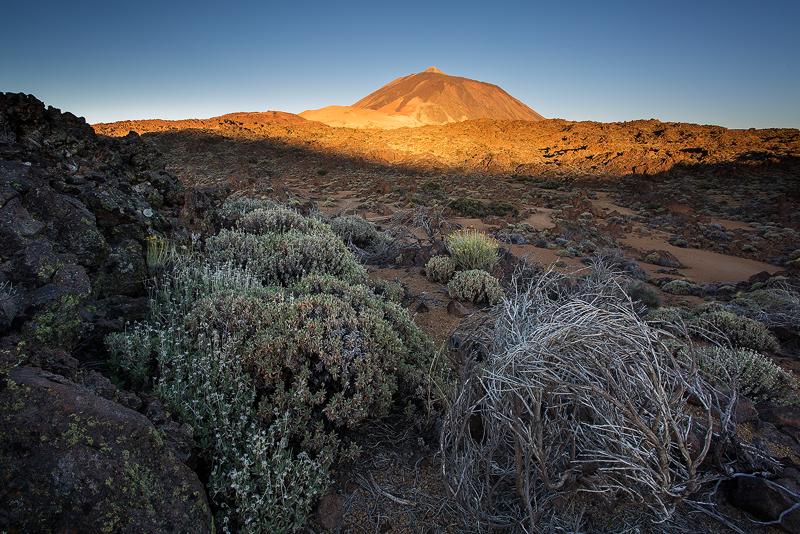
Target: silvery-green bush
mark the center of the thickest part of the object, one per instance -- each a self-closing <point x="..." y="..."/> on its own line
<point x="363" y="239"/>
<point x="267" y="347"/>
<point x="476" y="285"/>
<point x="750" y="373"/>
<point x="200" y="373"/>
<point x="742" y="331"/>
<point x="440" y="269"/>
<point x="283" y="258"/>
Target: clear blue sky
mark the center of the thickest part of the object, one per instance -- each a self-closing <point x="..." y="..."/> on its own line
<point x="730" y="63"/>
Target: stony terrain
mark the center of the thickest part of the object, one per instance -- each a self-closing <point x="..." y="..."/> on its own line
<point x="710" y="208"/>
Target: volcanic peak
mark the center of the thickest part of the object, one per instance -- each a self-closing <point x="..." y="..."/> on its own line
<point x="429" y="97"/>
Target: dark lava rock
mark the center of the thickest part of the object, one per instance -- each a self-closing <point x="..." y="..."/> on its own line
<point x="69" y="458"/>
<point x="75" y="212"/>
<point x="330" y="510"/>
<point x="457" y="309"/>
<point x="766" y="500"/>
<point x="779" y="416"/>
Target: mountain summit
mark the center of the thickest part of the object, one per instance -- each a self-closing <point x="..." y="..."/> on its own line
<point x="429" y="97"/>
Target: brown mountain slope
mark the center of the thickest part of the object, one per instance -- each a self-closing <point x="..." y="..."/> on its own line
<point x="433" y="97"/>
<point x="430" y="97"/>
<point x="229" y="121"/>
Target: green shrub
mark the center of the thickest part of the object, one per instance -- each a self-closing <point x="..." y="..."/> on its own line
<point x="324" y="350"/>
<point x="679" y="287"/>
<point x="252" y="465"/>
<point x="640" y="292"/>
<point x="363" y="239"/>
<point x="285" y="258"/>
<point x="501" y="208"/>
<point x="472" y="250"/>
<point x="668" y="316"/>
<point x="468" y="207"/>
<point x="777" y="305"/>
<point x="276" y="220"/>
<point x="440" y="269"/>
<point x="742" y="332"/>
<point x="266" y="376"/>
<point x="233" y="210"/>
<point x="390" y="290"/>
<point x="159" y="252"/>
<point x="752" y="374"/>
<point x="475" y="209"/>
<point x="435" y="190"/>
<point x="476" y="285"/>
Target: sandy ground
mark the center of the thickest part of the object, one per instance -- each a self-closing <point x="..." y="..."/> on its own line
<point x="702" y="266"/>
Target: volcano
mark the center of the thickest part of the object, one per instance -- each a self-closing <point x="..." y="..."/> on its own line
<point x="429" y="97"/>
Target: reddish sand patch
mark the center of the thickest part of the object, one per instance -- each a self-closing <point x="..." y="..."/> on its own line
<point x="703" y="267"/>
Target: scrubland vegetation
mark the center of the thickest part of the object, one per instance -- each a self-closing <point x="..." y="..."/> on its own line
<point x="570" y="395"/>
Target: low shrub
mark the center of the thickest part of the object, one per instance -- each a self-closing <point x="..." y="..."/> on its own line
<point x="440" y="269"/>
<point x="476" y="285"/>
<point x="641" y="292"/>
<point x="285" y="258"/>
<point x="750" y="373"/>
<point x="363" y="239"/>
<point x="389" y="290"/>
<point x="468" y="207"/>
<point x="233" y="210"/>
<point x="663" y="317"/>
<point x="777" y="305"/>
<point x="741" y="331"/>
<point x="252" y="466"/>
<point x="268" y="376"/>
<point x="502" y="208"/>
<point x="278" y="219"/>
<point x="475" y="209"/>
<point x="471" y="249"/>
<point x="679" y="287"/>
<point x="323" y="350"/>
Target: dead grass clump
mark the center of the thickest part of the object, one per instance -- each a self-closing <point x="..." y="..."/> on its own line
<point x="577" y="396"/>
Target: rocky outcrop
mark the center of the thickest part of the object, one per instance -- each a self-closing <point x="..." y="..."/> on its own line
<point x="75" y="212"/>
<point x="72" y="457"/>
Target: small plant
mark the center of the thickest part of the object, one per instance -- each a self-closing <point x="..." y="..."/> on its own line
<point x="750" y="373"/>
<point x="476" y="285"/>
<point x="278" y="219"/>
<point x="472" y="250"/>
<point x="664" y="317"/>
<point x="233" y="210"/>
<point x="356" y="230"/>
<point x="159" y="252"/>
<point x="501" y="208"/>
<point x="440" y="269"/>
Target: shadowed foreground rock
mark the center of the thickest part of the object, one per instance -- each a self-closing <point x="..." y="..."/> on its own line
<point x="70" y="459"/>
